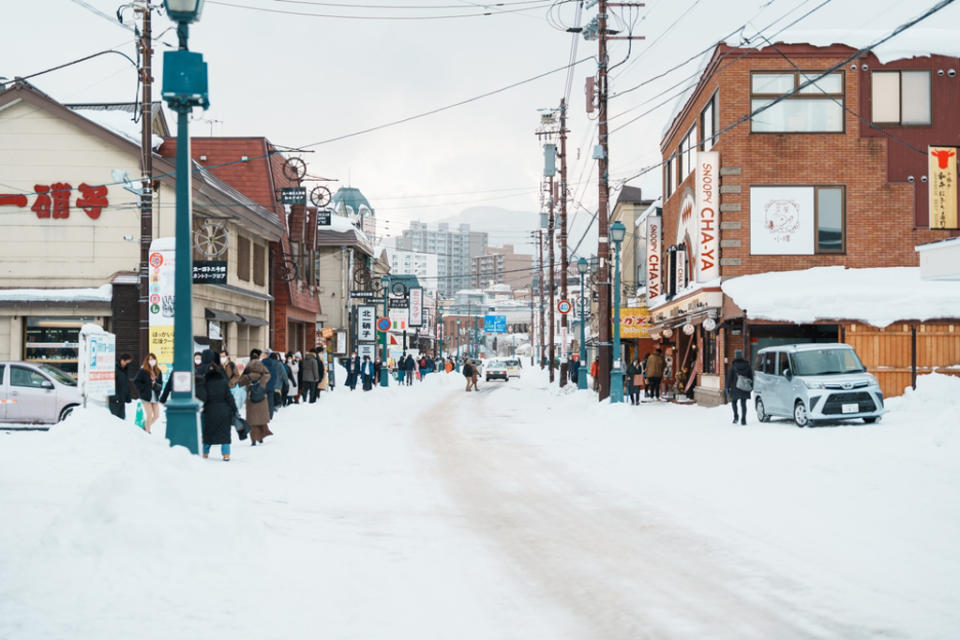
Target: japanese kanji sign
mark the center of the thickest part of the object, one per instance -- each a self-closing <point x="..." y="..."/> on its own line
<point x="634" y="322"/>
<point x="943" y="187"/>
<point x="209" y="272"/>
<point x="53" y="200"/>
<point x="366" y="323"/>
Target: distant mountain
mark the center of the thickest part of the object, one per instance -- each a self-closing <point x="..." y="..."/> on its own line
<point x="504" y="226"/>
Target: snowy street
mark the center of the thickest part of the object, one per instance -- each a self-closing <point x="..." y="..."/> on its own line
<point x="515" y="512"/>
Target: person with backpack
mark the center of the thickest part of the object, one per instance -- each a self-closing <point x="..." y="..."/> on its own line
<point x="739" y="385"/>
<point x="278" y="377"/>
<point x="410" y="369"/>
<point x="255" y="378"/>
<point x="149" y="385"/>
<point x="467" y="370"/>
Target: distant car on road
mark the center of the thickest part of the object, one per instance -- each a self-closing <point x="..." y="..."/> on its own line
<point x="503" y="368"/>
<point x="813" y="382"/>
<point x="36" y="393"/>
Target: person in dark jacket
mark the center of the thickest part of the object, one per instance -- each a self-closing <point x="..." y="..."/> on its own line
<point x="353" y="371"/>
<point x="118" y="402"/>
<point x="409" y="369"/>
<point x="739" y="368"/>
<point x="219" y="407"/>
<point x="366" y="373"/>
<point x="278" y="375"/>
<point x="467" y="371"/>
<point x="310" y="377"/>
<point x="634" y="380"/>
<point x="656" y="365"/>
<point x="377" y="366"/>
<point x="149" y="384"/>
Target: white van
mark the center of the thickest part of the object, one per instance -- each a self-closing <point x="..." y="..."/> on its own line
<point x="811" y="382"/>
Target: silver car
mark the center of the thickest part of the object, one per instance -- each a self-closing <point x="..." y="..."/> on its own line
<point x="811" y="382"/>
<point x="36" y="393"/>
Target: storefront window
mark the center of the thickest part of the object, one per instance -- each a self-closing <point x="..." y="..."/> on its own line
<point x="709" y="340"/>
<point x="54" y="341"/>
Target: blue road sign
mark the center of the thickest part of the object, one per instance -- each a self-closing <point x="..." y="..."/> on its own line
<point x="495" y="324"/>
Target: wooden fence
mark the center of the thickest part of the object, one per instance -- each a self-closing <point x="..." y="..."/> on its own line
<point x="889" y="353"/>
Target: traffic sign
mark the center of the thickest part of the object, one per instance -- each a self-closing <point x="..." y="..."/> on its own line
<point x="384" y="324"/>
<point x="564" y="306"/>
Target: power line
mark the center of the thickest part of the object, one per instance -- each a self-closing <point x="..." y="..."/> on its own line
<point x="411" y="6"/>
<point x="542" y="4"/>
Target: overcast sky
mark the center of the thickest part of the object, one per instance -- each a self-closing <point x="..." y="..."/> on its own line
<point x="300" y="79"/>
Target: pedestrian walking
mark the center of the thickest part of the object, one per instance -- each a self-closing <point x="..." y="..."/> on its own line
<point x="595" y="374"/>
<point x="232" y="371"/>
<point x="475" y="367"/>
<point x="366" y="373"/>
<point x="118" y="401"/>
<point x="278" y="375"/>
<point x="149" y="384"/>
<point x="353" y="371"/>
<point x="310" y="377"/>
<point x="634" y="381"/>
<point x="739" y="386"/>
<point x="293" y="370"/>
<point x="409" y="368"/>
<point x="324" y="373"/>
<point x="255" y="378"/>
<point x="654" y="372"/>
<point x="574" y="369"/>
<point x="377" y="367"/>
<point x="219" y="407"/>
<point x="467" y="371"/>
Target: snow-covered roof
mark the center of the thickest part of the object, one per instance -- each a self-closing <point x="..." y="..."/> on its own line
<point x="103" y="293"/>
<point x="878" y="296"/>
<point x="117" y="121"/>
<point x="914" y="42"/>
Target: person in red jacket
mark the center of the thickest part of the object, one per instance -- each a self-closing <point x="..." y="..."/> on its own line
<point x="595" y="374"/>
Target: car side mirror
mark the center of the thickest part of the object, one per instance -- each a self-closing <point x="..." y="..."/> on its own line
<point x="46" y="384"/>
<point x="788" y="374"/>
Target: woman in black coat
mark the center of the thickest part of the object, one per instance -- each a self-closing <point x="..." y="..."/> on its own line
<point x="149" y="385"/>
<point x="740" y="368"/>
<point x="219" y="407"/>
<point x="633" y="379"/>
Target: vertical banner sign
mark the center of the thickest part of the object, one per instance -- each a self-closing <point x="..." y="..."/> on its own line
<point x="654" y="281"/>
<point x="943" y="187"/>
<point x="682" y="266"/>
<point x="97" y="363"/>
<point x="369" y="350"/>
<point x="161" y="268"/>
<point x="366" y="323"/>
<point x="708" y="259"/>
<point x="416" y="307"/>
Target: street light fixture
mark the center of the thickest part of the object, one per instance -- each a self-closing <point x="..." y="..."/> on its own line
<point x="184" y="87"/>
<point x="617" y="233"/>
<point x="459" y="333"/>
<point x="582" y="267"/>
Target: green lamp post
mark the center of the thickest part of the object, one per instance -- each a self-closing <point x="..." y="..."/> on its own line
<point x="384" y="373"/>
<point x="184" y="87"/>
<point x="617" y="233"/>
<point x="582" y="268"/>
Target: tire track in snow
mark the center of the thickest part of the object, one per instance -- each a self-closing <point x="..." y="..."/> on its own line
<point x="620" y="573"/>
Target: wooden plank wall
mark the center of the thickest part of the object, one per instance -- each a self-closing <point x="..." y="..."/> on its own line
<point x="887" y="352"/>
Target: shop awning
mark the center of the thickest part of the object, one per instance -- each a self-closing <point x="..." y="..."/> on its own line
<point x="223" y="316"/>
<point x="253" y="321"/>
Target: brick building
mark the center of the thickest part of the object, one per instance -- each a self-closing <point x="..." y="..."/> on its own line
<point x="253" y="166"/>
<point x="832" y="174"/>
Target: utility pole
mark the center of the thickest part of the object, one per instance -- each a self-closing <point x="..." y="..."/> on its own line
<point x="146" y="173"/>
<point x="542" y="327"/>
<point x="604" y="343"/>
<point x="564" y="293"/>
<point x="530" y="330"/>
<point x="553" y="286"/>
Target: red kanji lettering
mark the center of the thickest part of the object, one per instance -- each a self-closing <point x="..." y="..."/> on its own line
<point x="93" y="199"/>
<point x="60" y="191"/>
<point x="15" y="199"/>
<point x="41" y="206"/>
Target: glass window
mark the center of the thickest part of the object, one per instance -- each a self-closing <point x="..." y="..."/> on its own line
<point x="688" y="147"/>
<point x="830" y="220"/>
<point x="668" y="177"/>
<point x="243" y="258"/>
<point x="900" y="97"/>
<point x="55" y="373"/>
<point x="816" y="108"/>
<point x="23" y="377"/>
<point x="709" y="340"/>
<point x="827" y="362"/>
<point x="708" y="124"/>
<point x="783" y="362"/>
<point x="2" y="366"/>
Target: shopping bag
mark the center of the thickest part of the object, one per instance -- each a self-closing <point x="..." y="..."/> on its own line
<point x="242" y="427"/>
<point x="141" y="419"/>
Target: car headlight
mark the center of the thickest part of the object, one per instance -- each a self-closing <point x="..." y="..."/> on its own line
<point x="812" y="385"/>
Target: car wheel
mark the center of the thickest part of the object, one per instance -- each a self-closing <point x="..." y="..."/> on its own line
<point x="872" y="420"/>
<point x="65" y="412"/>
<point x="800" y="414"/>
<point x="762" y="415"/>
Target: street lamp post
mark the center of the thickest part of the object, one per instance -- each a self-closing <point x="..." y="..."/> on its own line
<point x="617" y="233"/>
<point x="184" y="87"/>
<point x="458" y="345"/>
<point x="384" y="373"/>
<point x="582" y="268"/>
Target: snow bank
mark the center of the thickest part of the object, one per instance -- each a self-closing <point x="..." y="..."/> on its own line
<point x="879" y="296"/>
<point x="103" y="293"/>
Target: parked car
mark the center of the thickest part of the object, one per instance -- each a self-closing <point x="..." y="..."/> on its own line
<point x="36" y="393"/>
<point x="812" y="382"/>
